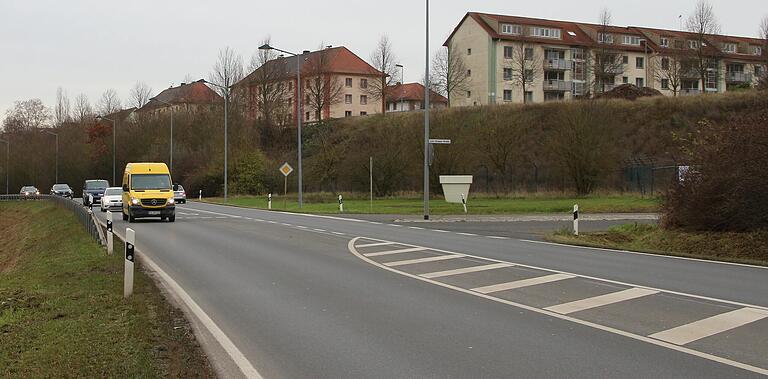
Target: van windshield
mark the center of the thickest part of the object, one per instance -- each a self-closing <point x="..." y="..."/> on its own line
<point x="96" y="184"/>
<point x="145" y="182"/>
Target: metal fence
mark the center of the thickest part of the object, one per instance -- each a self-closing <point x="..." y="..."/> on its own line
<point x="84" y="215"/>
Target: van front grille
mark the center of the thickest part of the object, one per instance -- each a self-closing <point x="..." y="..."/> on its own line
<point x="153" y="202"/>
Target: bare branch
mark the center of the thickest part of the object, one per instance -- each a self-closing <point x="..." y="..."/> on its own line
<point x="227" y="70"/>
<point x="109" y="102"/>
<point x="384" y="60"/>
<point x="449" y="72"/>
<point x="140" y="94"/>
<point x="61" y="111"/>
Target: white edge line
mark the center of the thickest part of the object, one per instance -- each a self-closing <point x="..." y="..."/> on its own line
<point x="351" y="247"/>
<point x="646" y="254"/>
<point x="234" y="353"/>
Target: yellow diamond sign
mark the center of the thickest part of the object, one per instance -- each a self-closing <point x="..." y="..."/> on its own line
<point x="286" y="169"/>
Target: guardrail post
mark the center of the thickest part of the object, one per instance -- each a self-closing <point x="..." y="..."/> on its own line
<point x="269" y="203"/>
<point x="576" y="219"/>
<point x="130" y="257"/>
<point x="464" y="203"/>
<point x="110" y="234"/>
<point x="341" y="204"/>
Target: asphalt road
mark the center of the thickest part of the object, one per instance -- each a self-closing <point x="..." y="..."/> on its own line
<point x="311" y="296"/>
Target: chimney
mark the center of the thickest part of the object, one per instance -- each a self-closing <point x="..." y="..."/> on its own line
<point x="329" y="46"/>
<point x="305" y="52"/>
<point x="183" y="84"/>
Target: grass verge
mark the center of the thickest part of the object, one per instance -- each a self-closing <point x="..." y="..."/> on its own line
<point x="62" y="313"/>
<point x="750" y="248"/>
<point x="328" y="204"/>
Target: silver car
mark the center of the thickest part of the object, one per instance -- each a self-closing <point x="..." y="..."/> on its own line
<point x="112" y="199"/>
<point x="179" y="194"/>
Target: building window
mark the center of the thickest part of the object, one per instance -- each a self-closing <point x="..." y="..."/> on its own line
<point x="306" y="116"/>
<point x="729" y="48"/>
<point x="625" y="59"/>
<point x="507" y="95"/>
<point x="347" y="99"/>
<point x="528" y="96"/>
<point x="639" y="62"/>
<point x="758" y="71"/>
<point x="665" y="63"/>
<point x="507" y="73"/>
<point x="306" y="100"/>
<point x="625" y="80"/>
<point x="363" y="100"/>
<point x="758" y="50"/>
<point x="545" y="32"/>
<point x="469" y="93"/>
<point x="511" y="29"/>
<point x="290" y="86"/>
<point x="631" y="40"/>
<point x="604" y="38"/>
<point x="349" y="82"/>
<point x="664" y="42"/>
<point x="469" y="51"/>
<point x="693" y="44"/>
<point x="363" y="113"/>
<point x="664" y="83"/>
<point x="363" y="83"/>
<point x="528" y="53"/>
<point x="640" y="82"/>
<point x="290" y="102"/>
<point x="469" y="72"/>
<point x="528" y="75"/>
<point x="679" y="44"/>
<point x="508" y="51"/>
<point x="347" y="113"/>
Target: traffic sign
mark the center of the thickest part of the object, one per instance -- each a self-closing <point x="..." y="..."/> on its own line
<point x="439" y="141"/>
<point x="286" y="169"/>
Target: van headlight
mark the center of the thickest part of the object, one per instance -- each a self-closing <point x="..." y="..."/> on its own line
<point x="171" y="201"/>
<point x="134" y="201"/>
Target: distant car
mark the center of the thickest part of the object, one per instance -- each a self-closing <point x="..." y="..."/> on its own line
<point x="112" y="199"/>
<point x="62" y="190"/>
<point x="94" y="188"/>
<point x="29" y="192"/>
<point x="179" y="194"/>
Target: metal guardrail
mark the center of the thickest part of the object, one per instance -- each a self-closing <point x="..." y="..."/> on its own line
<point x="84" y="215"/>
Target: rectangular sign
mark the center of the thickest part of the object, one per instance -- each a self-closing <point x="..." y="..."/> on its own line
<point x="439" y="141"/>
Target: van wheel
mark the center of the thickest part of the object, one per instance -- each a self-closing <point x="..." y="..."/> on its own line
<point x="172" y="218"/>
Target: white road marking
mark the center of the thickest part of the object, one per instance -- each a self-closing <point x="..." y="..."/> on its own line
<point x="522" y="283"/>
<point x="440" y="231"/>
<point x="339" y="233"/>
<point x="424" y="260"/>
<point x="392" y="252"/>
<point x="599" y="301"/>
<point x="301" y="227"/>
<point x="375" y="223"/>
<point x="285" y="224"/>
<point x="697" y="330"/>
<point x="467" y="234"/>
<point x="377" y="244"/>
<point x="319" y="230"/>
<point x="395" y="225"/>
<point x="459" y="271"/>
<point x="498" y="238"/>
<point x="714" y="358"/>
<point x="415" y="228"/>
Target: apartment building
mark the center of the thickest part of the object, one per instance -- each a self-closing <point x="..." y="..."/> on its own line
<point x="406" y="97"/>
<point x="335" y="84"/>
<point x="564" y="60"/>
<point x="187" y="97"/>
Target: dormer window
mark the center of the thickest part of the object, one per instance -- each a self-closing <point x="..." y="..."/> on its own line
<point x="757" y="50"/>
<point x="664" y="42"/>
<point x="631" y="40"/>
<point x="540" y="32"/>
<point x="729" y="48"/>
<point x="604" y="38"/>
<point x="693" y="44"/>
<point x="511" y="29"/>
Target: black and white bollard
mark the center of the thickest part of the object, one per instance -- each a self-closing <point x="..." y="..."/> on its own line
<point x="576" y="219"/>
<point x="464" y="203"/>
<point x="200" y="196"/>
<point x="110" y="234"/>
<point x="269" y="202"/>
<point x="90" y="201"/>
<point x="130" y="257"/>
<point x="341" y="204"/>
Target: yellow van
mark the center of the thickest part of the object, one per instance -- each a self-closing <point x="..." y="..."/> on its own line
<point x="148" y="192"/>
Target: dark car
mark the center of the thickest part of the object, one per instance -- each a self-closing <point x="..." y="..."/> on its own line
<point x="29" y="192"/>
<point x="62" y="190"/>
<point x="94" y="188"/>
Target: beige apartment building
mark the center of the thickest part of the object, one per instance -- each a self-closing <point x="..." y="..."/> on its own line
<point x="335" y="84"/>
<point x="561" y="59"/>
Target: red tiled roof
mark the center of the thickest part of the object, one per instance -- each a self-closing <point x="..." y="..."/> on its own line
<point x="191" y="93"/>
<point x="412" y="92"/>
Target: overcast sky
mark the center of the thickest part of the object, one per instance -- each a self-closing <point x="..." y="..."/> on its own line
<point x="87" y="46"/>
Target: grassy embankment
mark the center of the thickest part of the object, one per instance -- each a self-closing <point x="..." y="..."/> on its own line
<point x="328" y="204"/>
<point x="62" y="313"/>
<point x="751" y="248"/>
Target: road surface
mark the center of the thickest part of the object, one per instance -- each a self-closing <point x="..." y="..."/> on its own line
<point x="304" y="296"/>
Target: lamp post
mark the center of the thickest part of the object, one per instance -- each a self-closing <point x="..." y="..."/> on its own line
<point x="114" y="144"/>
<point x="226" y="134"/>
<point x="402" y="82"/>
<point x="7" y="165"/>
<point x="57" y="152"/>
<point x="299" y="114"/>
<point x="647" y="62"/>
<point x="426" y="121"/>
<point x="170" y="162"/>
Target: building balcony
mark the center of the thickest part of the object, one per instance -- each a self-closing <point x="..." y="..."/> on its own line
<point x="738" y="77"/>
<point x="557" y="64"/>
<point x="690" y="91"/>
<point x="558" y="85"/>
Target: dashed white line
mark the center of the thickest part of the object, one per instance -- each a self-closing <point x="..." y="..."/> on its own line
<point x="498" y="238"/>
<point x="415" y="228"/>
<point x="319" y="230"/>
<point x="301" y="227"/>
<point x="440" y="231"/>
<point x="339" y="233"/>
<point x="467" y="234"/>
<point x="395" y="225"/>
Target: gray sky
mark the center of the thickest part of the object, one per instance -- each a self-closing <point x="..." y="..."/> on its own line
<point x="87" y="46"/>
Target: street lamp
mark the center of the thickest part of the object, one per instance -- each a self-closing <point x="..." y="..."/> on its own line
<point x="426" y="122"/>
<point x="647" y="62"/>
<point x="170" y="162"/>
<point x="7" y="165"/>
<point x="402" y="82"/>
<point x="57" y="152"/>
<point x="114" y="144"/>
<point x="226" y="136"/>
<point x="299" y="112"/>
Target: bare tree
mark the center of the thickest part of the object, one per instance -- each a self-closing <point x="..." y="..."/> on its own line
<point x="61" y="112"/>
<point x="608" y="62"/>
<point x="188" y="78"/>
<point x="525" y="66"/>
<point x="269" y="85"/>
<point x="109" y="102"/>
<point x="140" y="94"/>
<point x="26" y="115"/>
<point x="321" y="87"/>
<point x="702" y="23"/>
<point x="227" y="70"/>
<point x="672" y="66"/>
<point x="449" y="72"/>
<point x="384" y="60"/>
<point x="82" y="111"/>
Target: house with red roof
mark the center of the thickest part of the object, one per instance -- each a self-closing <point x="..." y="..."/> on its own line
<point x="187" y="97"/>
<point x="406" y="97"/>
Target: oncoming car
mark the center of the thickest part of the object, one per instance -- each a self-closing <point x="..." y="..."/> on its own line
<point x="29" y="192"/>
<point x="112" y="199"/>
<point x="62" y="190"/>
<point x="179" y="194"/>
<point x="95" y="189"/>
